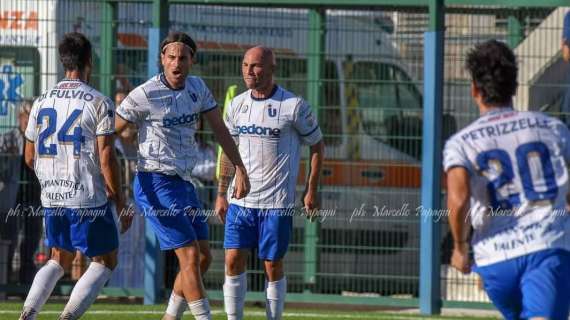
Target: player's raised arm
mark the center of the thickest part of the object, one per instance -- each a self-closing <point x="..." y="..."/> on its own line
<point x="224" y="138"/>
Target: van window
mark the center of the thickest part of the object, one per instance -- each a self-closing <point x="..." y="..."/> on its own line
<point x="389" y="104"/>
<point x="291" y="73"/>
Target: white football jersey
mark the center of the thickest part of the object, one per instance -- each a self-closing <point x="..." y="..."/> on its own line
<point x="269" y="133"/>
<point x="517" y="163"/>
<point x="167" y="121"/>
<point x="64" y="124"/>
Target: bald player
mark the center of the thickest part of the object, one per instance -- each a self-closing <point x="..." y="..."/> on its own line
<point x="269" y="124"/>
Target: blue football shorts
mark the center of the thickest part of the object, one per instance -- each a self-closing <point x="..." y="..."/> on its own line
<point x="171" y="207"/>
<point x="533" y="285"/>
<point x="93" y="231"/>
<point x="268" y="230"/>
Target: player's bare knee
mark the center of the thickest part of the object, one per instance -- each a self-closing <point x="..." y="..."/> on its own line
<point x="63" y="257"/>
<point x="236" y="261"/>
<point x="189" y="268"/>
<point x="274" y="270"/>
<point x="188" y="255"/>
<point x="205" y="260"/>
<point x="108" y="260"/>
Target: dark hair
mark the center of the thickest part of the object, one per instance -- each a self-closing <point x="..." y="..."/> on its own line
<point x="74" y="51"/>
<point x="179" y="37"/>
<point x="493" y="69"/>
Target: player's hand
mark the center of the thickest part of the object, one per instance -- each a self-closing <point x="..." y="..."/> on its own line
<point x="126" y="215"/>
<point x="460" y="257"/>
<point x="241" y="186"/>
<point x="221" y="208"/>
<point x="311" y="205"/>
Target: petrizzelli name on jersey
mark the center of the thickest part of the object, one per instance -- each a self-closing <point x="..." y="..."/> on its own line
<point x="260" y="131"/>
<point x="505" y="128"/>
<point x="183" y="119"/>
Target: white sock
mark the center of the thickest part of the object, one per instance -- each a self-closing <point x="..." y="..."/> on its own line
<point x="176" y="306"/>
<point x="235" y="288"/>
<point x="41" y="289"/>
<point x="200" y="309"/>
<point x="275" y="293"/>
<point x="86" y="290"/>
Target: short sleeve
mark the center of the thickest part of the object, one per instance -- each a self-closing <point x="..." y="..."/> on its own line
<point x="229" y="118"/>
<point x="129" y="109"/>
<point x="306" y="125"/>
<point x="31" y="133"/>
<point x="206" y="98"/>
<point x="454" y="156"/>
<point x="106" y="117"/>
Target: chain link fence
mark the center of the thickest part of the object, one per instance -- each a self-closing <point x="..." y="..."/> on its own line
<point x="370" y="112"/>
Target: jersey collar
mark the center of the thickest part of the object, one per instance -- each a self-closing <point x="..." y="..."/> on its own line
<point x="162" y="78"/>
<point x="497" y="110"/>
<point x="275" y="87"/>
<point x="73" y="80"/>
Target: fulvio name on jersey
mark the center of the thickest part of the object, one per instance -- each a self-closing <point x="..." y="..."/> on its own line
<point x="260" y="131"/>
<point x="183" y="119"/>
<point x="71" y="94"/>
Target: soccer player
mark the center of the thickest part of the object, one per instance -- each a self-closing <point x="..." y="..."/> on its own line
<point x="270" y="124"/>
<point x="70" y="138"/>
<point x="507" y="174"/>
<point x="166" y="110"/>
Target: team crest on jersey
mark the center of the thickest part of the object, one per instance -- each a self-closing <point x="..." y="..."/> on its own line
<point x="271" y="111"/>
<point x="193" y="96"/>
<point x="244" y="109"/>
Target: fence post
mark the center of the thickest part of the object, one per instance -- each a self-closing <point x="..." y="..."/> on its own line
<point x="430" y="296"/>
<point x="108" y="40"/>
<point x="153" y="258"/>
<point x="315" y="64"/>
<point x="515" y="29"/>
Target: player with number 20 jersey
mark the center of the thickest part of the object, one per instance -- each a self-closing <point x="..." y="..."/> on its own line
<point x="507" y="174"/>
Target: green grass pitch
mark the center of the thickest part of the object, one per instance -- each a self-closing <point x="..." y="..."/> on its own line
<point x="102" y="311"/>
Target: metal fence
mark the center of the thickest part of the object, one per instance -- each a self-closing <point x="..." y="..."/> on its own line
<point x="363" y="75"/>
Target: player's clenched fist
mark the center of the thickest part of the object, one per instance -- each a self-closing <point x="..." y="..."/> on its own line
<point x="126" y="215"/>
<point x="460" y="258"/>
<point x="311" y="205"/>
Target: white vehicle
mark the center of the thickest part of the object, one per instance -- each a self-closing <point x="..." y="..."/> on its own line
<point x="371" y="113"/>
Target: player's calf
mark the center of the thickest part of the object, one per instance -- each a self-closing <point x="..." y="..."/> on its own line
<point x="89" y="285"/>
<point x="275" y="289"/>
<point x="45" y="281"/>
